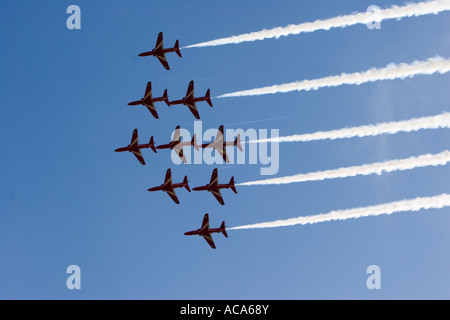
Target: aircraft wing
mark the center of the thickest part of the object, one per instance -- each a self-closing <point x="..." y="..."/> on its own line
<point x="205" y="223"/>
<point x="159" y="41"/>
<point x="181" y="155"/>
<point x="193" y="107"/>
<point x="134" y="138"/>
<point x="219" y="136"/>
<point x="223" y="153"/>
<point x="173" y="195"/>
<point x="177" y="134"/>
<point x="179" y="151"/>
<point x="209" y="239"/>
<point x="178" y="148"/>
<point x="163" y="60"/>
<point x="190" y="90"/>
<point x="218" y="196"/>
<point x="214" y="178"/>
<point x="219" y="141"/>
<point x="151" y="107"/>
<point x="148" y="91"/>
<point x="168" y="178"/>
<point x="139" y="156"/>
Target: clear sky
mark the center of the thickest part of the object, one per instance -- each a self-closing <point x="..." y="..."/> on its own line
<point x="66" y="198"/>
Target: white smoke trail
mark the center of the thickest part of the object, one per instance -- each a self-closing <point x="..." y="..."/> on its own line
<point x="410" y="205"/>
<point x="432" y="122"/>
<point x="390" y="72"/>
<point x="395" y="12"/>
<point x="425" y="160"/>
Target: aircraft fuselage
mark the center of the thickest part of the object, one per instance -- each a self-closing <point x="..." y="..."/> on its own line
<point x="135" y="148"/>
<point x="167" y="187"/>
<point x="203" y="232"/>
<point x="213" y="145"/>
<point x="188" y="101"/>
<point x="146" y="101"/>
<point x="170" y="145"/>
<point x="212" y="187"/>
<point x="159" y="52"/>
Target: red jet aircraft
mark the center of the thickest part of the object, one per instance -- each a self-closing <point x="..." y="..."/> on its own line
<point x="135" y="147"/>
<point x="177" y="145"/>
<point x="214" y="187"/>
<point x="170" y="187"/>
<point x="189" y="100"/>
<point x="205" y="231"/>
<point x="219" y="144"/>
<point x="160" y="52"/>
<point x="148" y="100"/>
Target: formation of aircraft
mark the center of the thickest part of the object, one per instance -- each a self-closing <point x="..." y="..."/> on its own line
<point x="177" y="145"/>
<point x="190" y="100"/>
<point x="170" y="187"/>
<point x="160" y="52"/>
<point x="205" y="231"/>
<point x="148" y="100"/>
<point x="135" y="148"/>
<point x="214" y="187"/>
<point x="219" y="144"/>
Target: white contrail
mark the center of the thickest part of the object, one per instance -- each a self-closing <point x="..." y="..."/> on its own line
<point x="395" y="12"/>
<point x="409" y="205"/>
<point x="432" y="122"/>
<point x="425" y="160"/>
<point x="390" y="72"/>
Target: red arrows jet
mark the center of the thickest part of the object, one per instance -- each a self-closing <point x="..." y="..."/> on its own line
<point x="135" y="147"/>
<point x="219" y="144"/>
<point x="205" y="231"/>
<point x="160" y="52"/>
<point x="170" y="187"/>
<point x="214" y="187"/>
<point x="148" y="100"/>
<point x="189" y="100"/>
<point x="177" y="145"/>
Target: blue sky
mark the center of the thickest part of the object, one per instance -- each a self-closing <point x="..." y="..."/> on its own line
<point x="66" y="198"/>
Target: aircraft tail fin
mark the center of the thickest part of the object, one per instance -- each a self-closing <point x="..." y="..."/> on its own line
<point x="222" y="229"/>
<point x="208" y="97"/>
<point x="152" y="144"/>
<point x="232" y="186"/>
<point x="186" y="184"/>
<point x="194" y="142"/>
<point x="166" y="98"/>
<point x="237" y="142"/>
<point x="177" y="48"/>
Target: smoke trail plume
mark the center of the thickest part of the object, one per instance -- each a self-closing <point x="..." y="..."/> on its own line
<point x="390" y="72"/>
<point x="425" y="160"/>
<point x="395" y="12"/>
<point x="410" y="205"/>
<point x="431" y="122"/>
